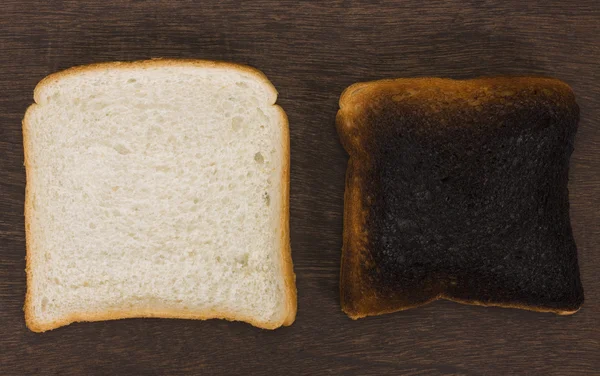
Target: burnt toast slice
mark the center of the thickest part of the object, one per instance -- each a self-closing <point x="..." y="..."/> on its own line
<point x="457" y="189"/>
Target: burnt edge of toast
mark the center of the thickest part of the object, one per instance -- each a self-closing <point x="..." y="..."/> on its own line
<point x="458" y="190"/>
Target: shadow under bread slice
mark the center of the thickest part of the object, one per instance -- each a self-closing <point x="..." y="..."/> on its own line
<point x="457" y="189"/>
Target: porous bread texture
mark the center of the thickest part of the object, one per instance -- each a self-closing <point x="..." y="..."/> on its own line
<point x="157" y="189"/>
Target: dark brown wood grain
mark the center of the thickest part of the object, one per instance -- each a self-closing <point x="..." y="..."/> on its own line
<point x="311" y="51"/>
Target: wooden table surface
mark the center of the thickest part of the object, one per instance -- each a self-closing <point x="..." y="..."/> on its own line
<point x="311" y="51"/>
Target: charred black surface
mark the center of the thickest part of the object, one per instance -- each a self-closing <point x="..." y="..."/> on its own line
<point x="472" y="202"/>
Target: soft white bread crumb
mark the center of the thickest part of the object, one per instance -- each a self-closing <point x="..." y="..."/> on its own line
<point x="157" y="189"/>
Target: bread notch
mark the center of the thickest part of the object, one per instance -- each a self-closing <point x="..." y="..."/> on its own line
<point x="458" y="190"/>
<point x="157" y="188"/>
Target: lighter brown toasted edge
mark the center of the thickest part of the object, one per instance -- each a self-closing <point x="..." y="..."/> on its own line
<point x="347" y="267"/>
<point x="560" y="312"/>
<point x="354" y="217"/>
<point x="361" y="91"/>
<point x="358" y="96"/>
<point x="288" y="271"/>
<point x="355" y="291"/>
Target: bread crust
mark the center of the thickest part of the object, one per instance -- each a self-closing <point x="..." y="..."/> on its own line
<point x="288" y="267"/>
<point x="288" y="276"/>
<point x="359" y="299"/>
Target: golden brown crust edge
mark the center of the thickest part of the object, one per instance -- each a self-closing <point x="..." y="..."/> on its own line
<point x="357" y="297"/>
<point x="157" y="62"/>
<point x="288" y="270"/>
<point x="29" y="318"/>
<point x="288" y="267"/>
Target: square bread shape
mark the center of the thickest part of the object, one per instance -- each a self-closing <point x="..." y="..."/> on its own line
<point x="457" y="189"/>
<point x="157" y="188"/>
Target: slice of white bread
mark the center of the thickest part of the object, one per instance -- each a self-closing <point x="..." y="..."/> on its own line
<point x="157" y="188"/>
